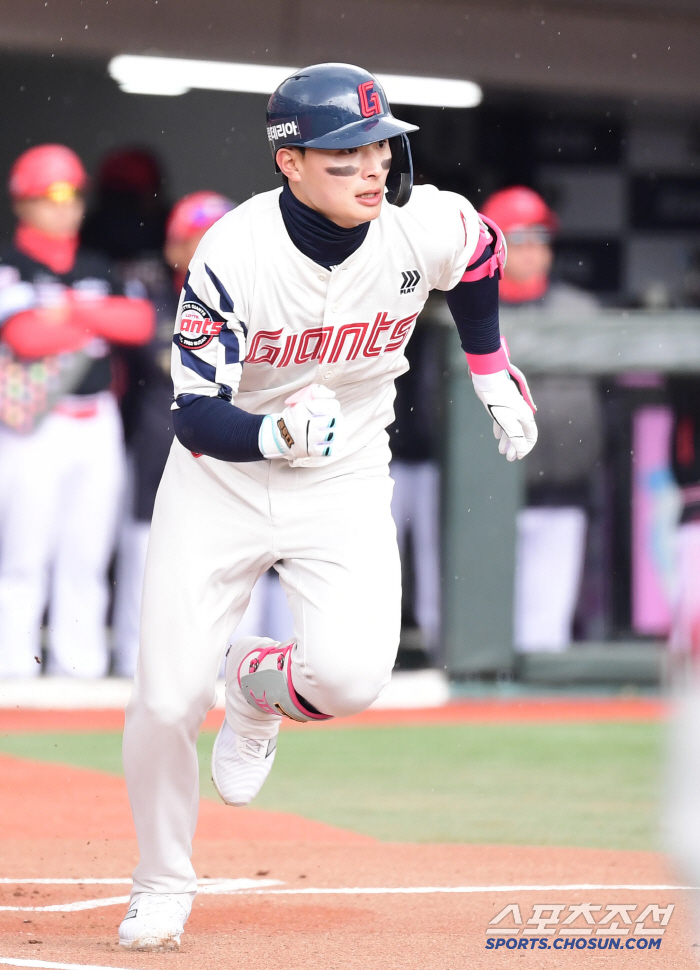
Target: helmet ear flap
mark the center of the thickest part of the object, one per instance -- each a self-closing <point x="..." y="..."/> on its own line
<point x="399" y="181"/>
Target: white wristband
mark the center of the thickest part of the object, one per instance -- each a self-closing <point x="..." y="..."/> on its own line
<point x="269" y="439"/>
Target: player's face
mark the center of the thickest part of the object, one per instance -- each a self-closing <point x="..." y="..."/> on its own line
<point x="345" y="185"/>
<point x="527" y="260"/>
<point x="58" y="219"/>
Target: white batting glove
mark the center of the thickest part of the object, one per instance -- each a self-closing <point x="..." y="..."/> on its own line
<point x="310" y="426"/>
<point x="513" y="417"/>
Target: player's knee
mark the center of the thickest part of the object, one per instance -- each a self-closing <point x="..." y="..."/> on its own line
<point x="167" y="711"/>
<point x="351" y="688"/>
<point x="342" y="700"/>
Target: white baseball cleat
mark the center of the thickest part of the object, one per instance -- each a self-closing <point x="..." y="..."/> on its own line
<point x="155" y="921"/>
<point x="239" y="766"/>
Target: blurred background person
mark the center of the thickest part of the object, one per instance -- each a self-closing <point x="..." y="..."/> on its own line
<point x="146" y="406"/>
<point x="552" y="527"/>
<point x="415" y="503"/>
<point x="127" y="219"/>
<point x="61" y="457"/>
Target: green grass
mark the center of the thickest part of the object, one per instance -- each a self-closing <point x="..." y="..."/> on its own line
<point x="99" y="750"/>
<point x="552" y="784"/>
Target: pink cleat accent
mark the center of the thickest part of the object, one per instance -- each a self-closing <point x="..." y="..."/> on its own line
<point x="265" y="678"/>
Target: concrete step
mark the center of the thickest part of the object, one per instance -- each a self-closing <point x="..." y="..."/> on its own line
<point x="594" y="663"/>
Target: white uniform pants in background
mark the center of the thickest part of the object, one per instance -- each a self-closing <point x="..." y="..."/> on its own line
<point x="551" y="544"/>
<point x="126" y="620"/>
<point x="685" y="632"/>
<point x="60" y="489"/>
<point x="217" y="527"/>
<point x="415" y="507"/>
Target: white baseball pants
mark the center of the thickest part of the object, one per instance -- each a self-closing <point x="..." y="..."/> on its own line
<point x="60" y="489"/>
<point x="217" y="526"/>
<point x="267" y="615"/>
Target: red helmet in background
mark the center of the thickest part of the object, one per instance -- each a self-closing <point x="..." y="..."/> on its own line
<point x="50" y="171"/>
<point x="519" y="208"/>
<point x="196" y="213"/>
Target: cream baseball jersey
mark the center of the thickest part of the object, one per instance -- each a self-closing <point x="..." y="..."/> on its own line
<point x="258" y="320"/>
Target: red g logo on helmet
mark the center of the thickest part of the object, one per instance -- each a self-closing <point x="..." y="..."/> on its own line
<point x="369" y="100"/>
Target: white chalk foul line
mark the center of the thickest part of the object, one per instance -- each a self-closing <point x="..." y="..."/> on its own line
<point x="68" y="907"/>
<point x="376" y="891"/>
<point x="207" y="887"/>
<point x="52" y="966"/>
<point x="252" y="887"/>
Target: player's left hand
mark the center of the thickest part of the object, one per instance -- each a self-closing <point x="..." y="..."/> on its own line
<point x="513" y="416"/>
<point x="311" y="426"/>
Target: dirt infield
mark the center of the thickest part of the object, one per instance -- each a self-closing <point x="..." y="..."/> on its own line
<point x="281" y="892"/>
<point x="485" y="711"/>
<point x="303" y="923"/>
<point x="37" y="798"/>
<point x="314" y="896"/>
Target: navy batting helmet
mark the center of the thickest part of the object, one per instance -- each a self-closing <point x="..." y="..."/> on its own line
<point x="340" y="106"/>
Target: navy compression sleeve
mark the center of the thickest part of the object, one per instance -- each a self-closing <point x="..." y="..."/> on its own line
<point x="212" y="426"/>
<point x="474" y="307"/>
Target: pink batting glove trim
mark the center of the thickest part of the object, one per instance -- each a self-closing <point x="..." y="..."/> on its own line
<point x="313" y="392"/>
<point x="488" y="363"/>
<point x="518" y="377"/>
<point x="303" y="395"/>
<point x="520" y="380"/>
<point x="498" y="361"/>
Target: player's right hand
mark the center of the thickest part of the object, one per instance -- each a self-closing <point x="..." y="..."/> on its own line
<point x="310" y="426"/>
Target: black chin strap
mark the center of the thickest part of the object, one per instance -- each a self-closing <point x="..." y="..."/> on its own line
<point x="399" y="181"/>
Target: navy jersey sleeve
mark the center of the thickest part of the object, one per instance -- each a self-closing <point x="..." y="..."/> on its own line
<point x="212" y="426"/>
<point x="209" y="348"/>
<point x="474" y="308"/>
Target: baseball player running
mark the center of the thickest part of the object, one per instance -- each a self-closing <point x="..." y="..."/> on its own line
<point x="291" y="328"/>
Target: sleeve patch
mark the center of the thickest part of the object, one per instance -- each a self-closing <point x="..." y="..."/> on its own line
<point x="197" y="329"/>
